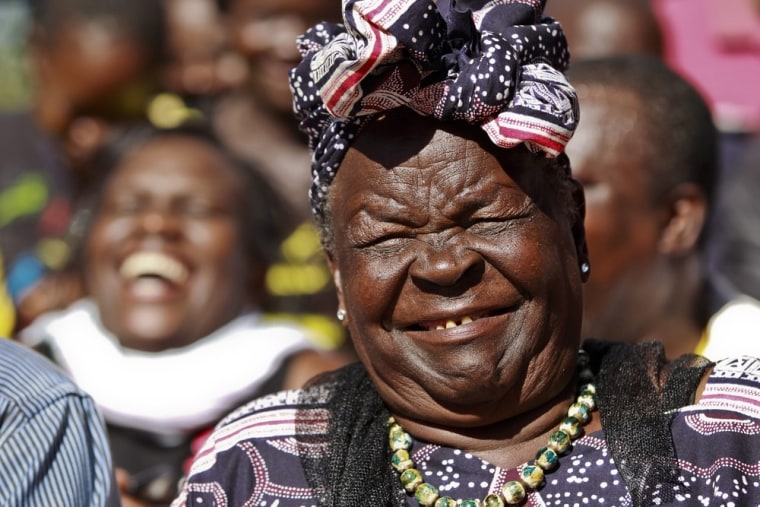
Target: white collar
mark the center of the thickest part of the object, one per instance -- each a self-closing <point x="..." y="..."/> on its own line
<point x="173" y="391"/>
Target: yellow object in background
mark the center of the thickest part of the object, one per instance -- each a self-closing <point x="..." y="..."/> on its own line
<point x="7" y="310"/>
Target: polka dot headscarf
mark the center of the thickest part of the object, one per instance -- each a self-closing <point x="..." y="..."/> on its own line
<point x="497" y="64"/>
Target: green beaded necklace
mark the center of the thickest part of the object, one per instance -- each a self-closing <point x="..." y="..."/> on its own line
<point x="531" y="476"/>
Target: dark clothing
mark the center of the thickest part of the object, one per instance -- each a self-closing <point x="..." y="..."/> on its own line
<point x="260" y="454"/>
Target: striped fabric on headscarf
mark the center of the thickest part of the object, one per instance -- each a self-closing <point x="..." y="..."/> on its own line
<point x="497" y="64"/>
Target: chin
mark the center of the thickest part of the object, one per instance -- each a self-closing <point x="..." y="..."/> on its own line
<point x="151" y="341"/>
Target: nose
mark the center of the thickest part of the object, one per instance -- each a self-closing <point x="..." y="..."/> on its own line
<point x="158" y="222"/>
<point x="445" y="265"/>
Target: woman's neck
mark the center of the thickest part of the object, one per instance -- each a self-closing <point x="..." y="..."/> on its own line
<point x="506" y="444"/>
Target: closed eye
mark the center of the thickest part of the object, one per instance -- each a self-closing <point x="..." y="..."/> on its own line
<point x="488" y="227"/>
<point x="386" y="244"/>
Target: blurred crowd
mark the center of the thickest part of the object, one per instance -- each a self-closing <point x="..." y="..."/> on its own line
<point x="154" y="213"/>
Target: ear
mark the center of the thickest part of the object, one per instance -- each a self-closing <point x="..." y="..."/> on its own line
<point x="687" y="214"/>
<point x="335" y="272"/>
<point x="578" y="229"/>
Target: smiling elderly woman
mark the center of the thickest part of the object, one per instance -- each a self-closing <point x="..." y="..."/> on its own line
<point x="455" y="236"/>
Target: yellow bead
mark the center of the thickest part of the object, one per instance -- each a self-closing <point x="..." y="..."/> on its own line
<point x="399" y="439"/>
<point x="493" y="501"/>
<point x="426" y="494"/>
<point x="559" y="441"/>
<point x="547" y="459"/>
<point x="513" y="492"/>
<point x="410" y="479"/>
<point x="532" y="476"/>
<point x="571" y="426"/>
<point x="401" y="460"/>
<point x="580" y="412"/>
<point x="588" y="399"/>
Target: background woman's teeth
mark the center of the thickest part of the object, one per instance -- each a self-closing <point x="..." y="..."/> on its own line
<point x="153" y="263"/>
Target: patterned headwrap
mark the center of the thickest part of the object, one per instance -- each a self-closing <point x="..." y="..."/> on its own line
<point x="497" y="64"/>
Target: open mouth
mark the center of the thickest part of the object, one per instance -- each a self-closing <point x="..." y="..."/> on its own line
<point x="438" y="325"/>
<point x="153" y="273"/>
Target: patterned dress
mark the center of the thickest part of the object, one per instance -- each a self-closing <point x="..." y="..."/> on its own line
<point x="252" y="458"/>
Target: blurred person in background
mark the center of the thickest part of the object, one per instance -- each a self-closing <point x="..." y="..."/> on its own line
<point x="596" y="28"/>
<point x="201" y="64"/>
<point x="256" y="122"/>
<point x="264" y="32"/>
<point x="92" y="62"/>
<point x="715" y="44"/>
<point x="171" y="336"/>
<point x="646" y="153"/>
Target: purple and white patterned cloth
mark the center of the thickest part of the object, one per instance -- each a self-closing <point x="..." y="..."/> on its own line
<point x="497" y="64"/>
<point x="253" y="458"/>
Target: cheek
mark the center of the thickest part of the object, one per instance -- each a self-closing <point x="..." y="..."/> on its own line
<point x="617" y="240"/>
<point x="214" y="242"/>
<point x="372" y="283"/>
<point x="608" y="231"/>
<point x="525" y="260"/>
<point x="220" y="255"/>
<point x="103" y="238"/>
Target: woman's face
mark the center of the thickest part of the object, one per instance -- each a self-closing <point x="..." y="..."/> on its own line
<point x="200" y="62"/>
<point x="458" y="271"/>
<point x="88" y="70"/>
<point x="165" y="260"/>
<point x="265" y="32"/>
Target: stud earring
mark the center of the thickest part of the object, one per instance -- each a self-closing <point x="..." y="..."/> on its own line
<point x="341" y="314"/>
<point x="585" y="268"/>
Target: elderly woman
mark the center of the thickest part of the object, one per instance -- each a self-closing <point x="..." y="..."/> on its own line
<point x="454" y="233"/>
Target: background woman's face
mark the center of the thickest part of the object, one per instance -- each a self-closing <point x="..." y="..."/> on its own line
<point x="459" y="275"/>
<point x="265" y="32"/>
<point x="165" y="261"/>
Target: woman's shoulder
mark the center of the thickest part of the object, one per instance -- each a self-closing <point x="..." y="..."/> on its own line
<point x="281" y="405"/>
<point x="733" y="386"/>
<point x="28" y="377"/>
<point x="257" y="450"/>
<point x="275" y="416"/>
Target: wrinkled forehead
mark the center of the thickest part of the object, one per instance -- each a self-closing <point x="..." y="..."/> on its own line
<point x="403" y="155"/>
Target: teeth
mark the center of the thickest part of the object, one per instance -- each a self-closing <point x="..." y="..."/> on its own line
<point x="155" y="264"/>
<point x="451" y="323"/>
